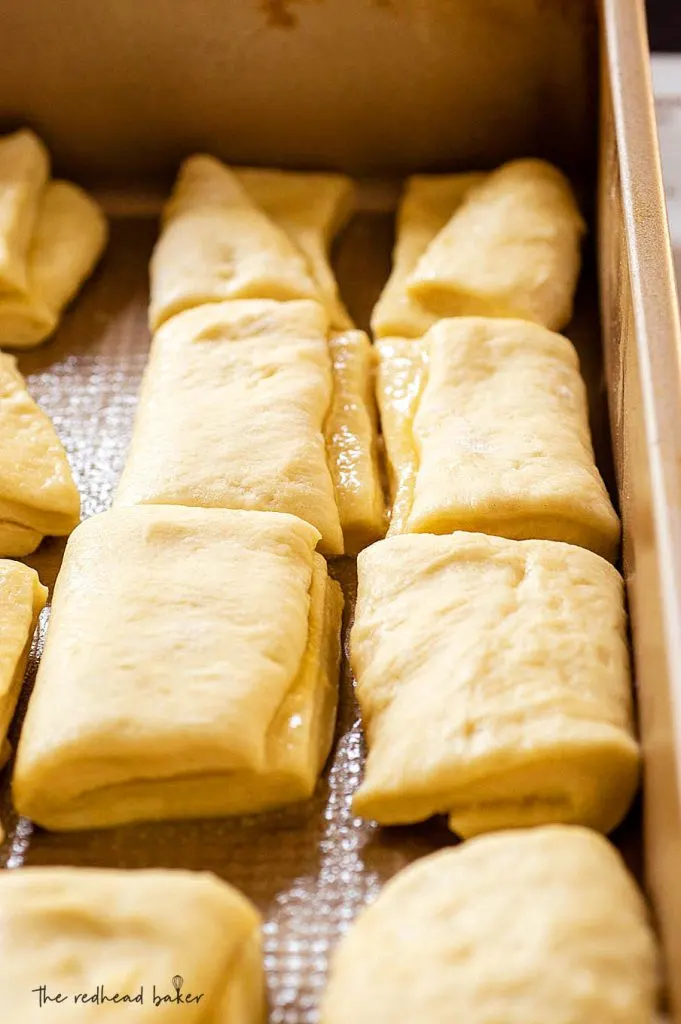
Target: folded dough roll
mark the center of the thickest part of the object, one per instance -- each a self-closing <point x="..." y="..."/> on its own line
<point x="538" y="925"/>
<point x="511" y="249"/>
<point x="216" y="244"/>
<point x="231" y="414"/>
<point x="37" y="494"/>
<point x="311" y="209"/>
<point x="24" y="170"/>
<point x="428" y="202"/>
<point x="70" y="235"/>
<point x="172" y="944"/>
<point x="493" y="679"/>
<point x="351" y="441"/>
<point x="22" y="598"/>
<point x="486" y="428"/>
<point x="190" y="670"/>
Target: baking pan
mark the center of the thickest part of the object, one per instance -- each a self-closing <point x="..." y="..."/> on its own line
<point x="642" y="345"/>
<point x="121" y="91"/>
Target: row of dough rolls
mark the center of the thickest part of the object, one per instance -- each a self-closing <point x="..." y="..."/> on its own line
<point x="254" y="443"/>
<point x="492" y="665"/>
<point x="530" y="925"/>
<point x="492" y="671"/>
<point x="258" y="393"/>
<point x="192" y="660"/>
<point x="51" y="235"/>
<point x="489" y="640"/>
<point x="482" y="405"/>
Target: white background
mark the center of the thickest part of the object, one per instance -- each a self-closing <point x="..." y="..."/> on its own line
<point x="667" y="83"/>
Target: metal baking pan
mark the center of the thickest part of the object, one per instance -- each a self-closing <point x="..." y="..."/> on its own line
<point x="121" y="91"/>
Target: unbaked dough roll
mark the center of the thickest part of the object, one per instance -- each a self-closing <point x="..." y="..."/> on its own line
<point x="24" y="170"/>
<point x="493" y="680"/>
<point x="22" y="598"/>
<point x="216" y="244"/>
<point x="177" y="944"/>
<point x="486" y="428"/>
<point x="69" y="237"/>
<point x="190" y="670"/>
<point x="311" y="209"/>
<point x="232" y="411"/>
<point x="351" y="442"/>
<point x="511" y="249"/>
<point x="428" y="202"/>
<point x="544" y="925"/>
<point x="38" y="496"/>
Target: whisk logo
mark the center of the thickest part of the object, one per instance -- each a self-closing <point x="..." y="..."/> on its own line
<point x="102" y="994"/>
<point x="177" y="982"/>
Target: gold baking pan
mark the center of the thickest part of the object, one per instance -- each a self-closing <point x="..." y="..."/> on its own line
<point x="122" y="91"/>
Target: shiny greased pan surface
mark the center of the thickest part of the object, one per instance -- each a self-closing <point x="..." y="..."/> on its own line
<point x="123" y="95"/>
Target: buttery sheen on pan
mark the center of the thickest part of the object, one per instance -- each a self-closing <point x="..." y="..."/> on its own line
<point x="38" y="496"/>
<point x="486" y="428"/>
<point x="190" y="670"/>
<point x="493" y="681"/>
<point x="181" y="946"/>
<point x="232" y="412"/>
<point x="543" y="924"/>
<point x="511" y="249"/>
<point x="351" y="442"/>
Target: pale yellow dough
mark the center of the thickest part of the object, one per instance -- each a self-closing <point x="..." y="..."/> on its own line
<point x="190" y="670"/>
<point x="428" y="202"/>
<point x="24" y="170"/>
<point x="78" y="931"/>
<point x="493" y="680"/>
<point x="311" y="209"/>
<point x="232" y="411"/>
<point x="486" y="428"/>
<point x="70" y="235"/>
<point x="511" y="249"/>
<point x="544" y="925"/>
<point x="352" y="442"/>
<point x="22" y="598"/>
<point x="216" y="244"/>
<point x="38" y="496"/>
